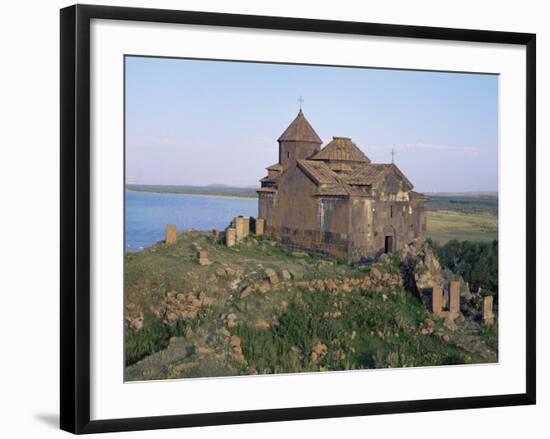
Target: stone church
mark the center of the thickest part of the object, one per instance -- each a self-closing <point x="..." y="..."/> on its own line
<point x="334" y="201"/>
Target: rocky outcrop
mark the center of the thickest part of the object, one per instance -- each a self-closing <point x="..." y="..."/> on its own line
<point x="421" y="268"/>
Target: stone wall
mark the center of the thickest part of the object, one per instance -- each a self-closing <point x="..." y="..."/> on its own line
<point x="311" y="241"/>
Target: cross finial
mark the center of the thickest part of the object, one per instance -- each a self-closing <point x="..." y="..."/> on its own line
<point x="392" y="155"/>
<point x="300" y="100"/>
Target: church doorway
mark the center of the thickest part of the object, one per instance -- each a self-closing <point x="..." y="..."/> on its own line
<point x="388" y="244"/>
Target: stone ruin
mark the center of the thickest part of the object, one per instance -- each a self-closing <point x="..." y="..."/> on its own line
<point x="446" y="305"/>
<point x="241" y="227"/>
<point x="171" y="234"/>
<point x="488" y="317"/>
<point x="425" y="277"/>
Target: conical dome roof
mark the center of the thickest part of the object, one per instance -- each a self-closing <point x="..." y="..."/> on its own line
<point x="300" y="131"/>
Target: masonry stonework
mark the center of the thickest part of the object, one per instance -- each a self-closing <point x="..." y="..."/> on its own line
<point x="454" y="297"/>
<point x="334" y="201"/>
<point x="487" y="311"/>
<point x="437" y="299"/>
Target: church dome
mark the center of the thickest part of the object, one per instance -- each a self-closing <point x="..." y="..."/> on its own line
<point x="300" y="130"/>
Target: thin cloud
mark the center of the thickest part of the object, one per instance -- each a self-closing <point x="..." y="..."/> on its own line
<point x="467" y="151"/>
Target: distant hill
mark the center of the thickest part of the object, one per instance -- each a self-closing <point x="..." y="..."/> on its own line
<point x="212" y="190"/>
<point x="474" y="202"/>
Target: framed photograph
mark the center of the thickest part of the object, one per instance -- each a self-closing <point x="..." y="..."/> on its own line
<point x="268" y="218"/>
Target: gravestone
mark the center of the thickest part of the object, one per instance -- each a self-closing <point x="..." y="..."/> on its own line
<point x="487" y="311"/>
<point x="170" y="234"/>
<point x="437" y="299"/>
<point x="230" y="237"/>
<point x="242" y="227"/>
<point x="454" y="297"/>
<point x="260" y="226"/>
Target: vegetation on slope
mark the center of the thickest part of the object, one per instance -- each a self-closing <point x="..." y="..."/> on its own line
<point x="476" y="262"/>
<point x="232" y="317"/>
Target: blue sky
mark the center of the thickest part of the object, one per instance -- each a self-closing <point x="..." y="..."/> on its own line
<point x="213" y="122"/>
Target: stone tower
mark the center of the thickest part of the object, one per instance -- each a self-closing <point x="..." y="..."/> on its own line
<point x="299" y="141"/>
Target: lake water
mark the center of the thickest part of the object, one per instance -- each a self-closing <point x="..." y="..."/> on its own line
<point x="147" y="215"/>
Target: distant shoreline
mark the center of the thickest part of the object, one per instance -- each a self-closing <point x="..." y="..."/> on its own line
<point x="229" y="197"/>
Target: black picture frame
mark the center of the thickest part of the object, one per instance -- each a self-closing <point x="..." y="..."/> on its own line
<point x="75" y="217"/>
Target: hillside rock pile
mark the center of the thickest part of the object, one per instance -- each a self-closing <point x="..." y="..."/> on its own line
<point x="422" y="268"/>
<point x="179" y="306"/>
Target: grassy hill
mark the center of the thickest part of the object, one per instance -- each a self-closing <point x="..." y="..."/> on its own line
<point x="257" y="308"/>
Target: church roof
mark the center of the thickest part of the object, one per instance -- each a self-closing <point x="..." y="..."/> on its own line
<point x="300" y="131"/>
<point x="275" y="167"/>
<point x="318" y="171"/>
<point x="369" y="174"/>
<point x="341" y="148"/>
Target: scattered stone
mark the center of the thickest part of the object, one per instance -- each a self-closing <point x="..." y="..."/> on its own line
<point x="299" y="254"/>
<point x="230" y="271"/>
<point x="262" y="324"/>
<point x="320" y="349"/>
<point x="272" y="276"/>
<point x="231" y="320"/>
<point x="201" y="350"/>
<point x="445" y="338"/>
<point x="134" y="318"/>
<point x="264" y="287"/>
<point x="247" y="291"/>
<point x="286" y="275"/>
<point x="235" y="284"/>
<point x="234" y="341"/>
<point x="375" y="273"/>
<point x="239" y="358"/>
<point x="449" y="323"/>
<point x="203" y="258"/>
<point x="429" y="323"/>
<point x="174" y="307"/>
<point x="220" y="271"/>
<point x="171" y="235"/>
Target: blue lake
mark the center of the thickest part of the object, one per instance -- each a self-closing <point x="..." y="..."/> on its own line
<point x="147" y="215"/>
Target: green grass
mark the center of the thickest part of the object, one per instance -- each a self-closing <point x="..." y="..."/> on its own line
<point x="372" y="329"/>
<point x="446" y="225"/>
<point x="385" y="334"/>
